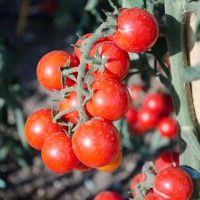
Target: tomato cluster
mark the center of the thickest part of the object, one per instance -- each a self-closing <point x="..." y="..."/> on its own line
<point x="153" y="113"/>
<point x="168" y="182"/>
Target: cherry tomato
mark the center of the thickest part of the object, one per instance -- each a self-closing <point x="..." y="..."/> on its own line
<point x="167" y="159"/>
<point x="48" y="68"/>
<point x="111" y="99"/>
<point x="150" y="196"/>
<point x="137" y="30"/>
<point x="155" y="102"/>
<point x="137" y="179"/>
<point x="113" y="165"/>
<point x="57" y="153"/>
<point x="131" y="115"/>
<point x="147" y="119"/>
<point x="136" y="92"/>
<point x="169" y="107"/>
<point x="81" y="167"/>
<point x="173" y="183"/>
<point x="167" y="127"/>
<point x="118" y="63"/>
<point x="78" y="52"/>
<point x="39" y="126"/>
<point x="137" y="129"/>
<point x="96" y="143"/>
<point x="108" y="195"/>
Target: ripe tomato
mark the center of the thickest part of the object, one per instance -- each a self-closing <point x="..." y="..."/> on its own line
<point x="57" y="153"/>
<point x="146" y="119"/>
<point x="173" y="183"/>
<point x="39" y="126"/>
<point x="137" y="30"/>
<point x="81" y="167"/>
<point x="78" y="52"/>
<point x="111" y="99"/>
<point x="113" y="165"/>
<point x="108" y="195"/>
<point x="167" y="159"/>
<point x="118" y="62"/>
<point x="48" y="68"/>
<point x="140" y="177"/>
<point x="136" y="129"/>
<point x="136" y="93"/>
<point x="131" y="115"/>
<point x="150" y="196"/>
<point x="155" y="103"/>
<point x="169" y="107"/>
<point x="167" y="127"/>
<point x="96" y="143"/>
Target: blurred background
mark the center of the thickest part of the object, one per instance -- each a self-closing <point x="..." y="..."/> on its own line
<point x="28" y="30"/>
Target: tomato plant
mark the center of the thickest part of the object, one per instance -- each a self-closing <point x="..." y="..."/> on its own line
<point x="96" y="143"/>
<point x="137" y="30"/>
<point x="150" y="196"/>
<point x="57" y="153"/>
<point x="110" y="100"/>
<point x="173" y="183"/>
<point x="39" y="126"/>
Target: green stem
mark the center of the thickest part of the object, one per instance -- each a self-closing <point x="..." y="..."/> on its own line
<point x="175" y="11"/>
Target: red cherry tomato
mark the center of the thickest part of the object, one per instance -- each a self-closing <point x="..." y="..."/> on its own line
<point x="113" y="165"/>
<point x="167" y="127"/>
<point x="118" y="63"/>
<point x="111" y="99"/>
<point x="78" y="52"/>
<point x="173" y="183"/>
<point x="146" y="119"/>
<point x="136" y="93"/>
<point x="108" y="195"/>
<point x="137" y="179"/>
<point x="167" y="159"/>
<point x="39" y="126"/>
<point x="57" y="153"/>
<point x="155" y="103"/>
<point x="81" y="167"/>
<point x="48" y="68"/>
<point x="96" y="143"/>
<point x="137" y="30"/>
<point x="131" y="115"/>
<point x="136" y="129"/>
<point x="150" y="196"/>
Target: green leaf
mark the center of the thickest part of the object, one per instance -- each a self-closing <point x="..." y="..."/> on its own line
<point x="91" y="4"/>
<point x="191" y="74"/>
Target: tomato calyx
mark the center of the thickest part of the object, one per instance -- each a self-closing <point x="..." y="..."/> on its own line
<point x="142" y="183"/>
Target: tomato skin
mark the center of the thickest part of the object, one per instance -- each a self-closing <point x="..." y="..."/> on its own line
<point x="173" y="183"/>
<point x="113" y="165"/>
<point x="167" y="127"/>
<point x="138" y="178"/>
<point x="137" y="30"/>
<point x="96" y="143"/>
<point x="108" y="195"/>
<point x="167" y="159"/>
<point x="57" y="153"/>
<point x="155" y="103"/>
<point x="169" y="104"/>
<point x="147" y="119"/>
<point x="111" y="99"/>
<point x="48" y="68"/>
<point x="150" y="196"/>
<point x="81" y="167"/>
<point x="118" y="62"/>
<point x="78" y="52"/>
<point x="131" y="115"/>
<point x="39" y="126"/>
